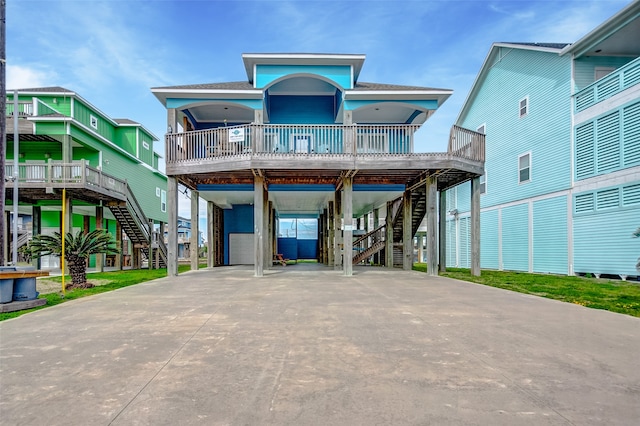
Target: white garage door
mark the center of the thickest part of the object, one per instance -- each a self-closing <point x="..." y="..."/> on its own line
<point x="240" y="249"/>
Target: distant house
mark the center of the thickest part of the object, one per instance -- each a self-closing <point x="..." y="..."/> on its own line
<point x="561" y="189"/>
<point x="106" y="166"/>
<point x="184" y="237"/>
<point x="303" y="138"/>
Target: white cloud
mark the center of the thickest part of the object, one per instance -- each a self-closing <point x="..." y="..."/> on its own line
<point x="24" y="77"/>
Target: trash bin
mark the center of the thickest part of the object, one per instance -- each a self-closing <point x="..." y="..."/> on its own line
<point x="6" y="285"/>
<point x="25" y="288"/>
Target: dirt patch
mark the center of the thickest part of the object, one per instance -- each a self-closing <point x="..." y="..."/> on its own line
<point x="44" y="286"/>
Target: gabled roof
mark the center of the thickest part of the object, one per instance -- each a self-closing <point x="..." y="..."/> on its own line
<point x="546" y="45"/>
<point x="361" y="86"/>
<point x="52" y="89"/>
<point x="126" y="121"/>
<point x="58" y="90"/>
<point x="233" y="85"/>
<point x="489" y="61"/>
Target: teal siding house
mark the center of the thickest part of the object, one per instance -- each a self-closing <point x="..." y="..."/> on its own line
<point x="107" y="168"/>
<point x="561" y="189"/>
<point x="302" y="138"/>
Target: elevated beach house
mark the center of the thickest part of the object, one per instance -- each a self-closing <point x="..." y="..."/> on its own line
<point x="303" y="138"/>
<point x="106" y="167"/>
<point x="561" y="193"/>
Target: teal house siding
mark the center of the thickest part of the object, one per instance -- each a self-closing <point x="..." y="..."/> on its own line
<point x="465" y="246"/>
<point x="544" y="79"/>
<point x="452" y="246"/>
<point x="603" y="242"/>
<point x="603" y="223"/>
<point x="550" y="236"/>
<point x="338" y="75"/>
<point x="515" y="238"/>
<point x="489" y="242"/>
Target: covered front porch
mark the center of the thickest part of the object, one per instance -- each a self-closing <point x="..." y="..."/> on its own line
<point x="366" y="204"/>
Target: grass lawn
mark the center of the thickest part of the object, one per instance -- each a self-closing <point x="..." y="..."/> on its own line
<point x="114" y="280"/>
<point x="612" y="295"/>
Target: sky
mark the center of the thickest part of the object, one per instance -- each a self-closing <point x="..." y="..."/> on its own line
<point x="112" y="52"/>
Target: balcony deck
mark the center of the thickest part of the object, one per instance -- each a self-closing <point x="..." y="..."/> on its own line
<point x="608" y="86"/>
<point x="45" y="182"/>
<point x="319" y="154"/>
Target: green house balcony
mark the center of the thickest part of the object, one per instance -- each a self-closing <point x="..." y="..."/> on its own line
<point x="300" y="146"/>
<point x="608" y="86"/>
<point x="43" y="181"/>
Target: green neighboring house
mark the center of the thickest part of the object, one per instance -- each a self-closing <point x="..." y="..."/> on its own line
<point x="107" y="168"/>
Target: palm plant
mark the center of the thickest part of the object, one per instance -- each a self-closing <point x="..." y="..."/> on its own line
<point x="77" y="250"/>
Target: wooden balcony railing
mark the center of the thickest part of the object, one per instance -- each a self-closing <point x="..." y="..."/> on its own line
<point x="60" y="174"/>
<point x="280" y="140"/>
<point x="610" y="85"/>
<point x="466" y="143"/>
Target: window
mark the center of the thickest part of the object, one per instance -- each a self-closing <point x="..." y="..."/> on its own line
<point x="157" y="191"/>
<point x="163" y="201"/>
<point x="524" y="168"/>
<point x="524" y="106"/>
<point x="601" y="72"/>
<point x="482" y="128"/>
<point x="93" y="120"/>
<point x="483" y="183"/>
<point x="145" y="145"/>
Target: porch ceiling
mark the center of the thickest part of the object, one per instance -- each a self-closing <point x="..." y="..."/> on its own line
<point x="303" y="201"/>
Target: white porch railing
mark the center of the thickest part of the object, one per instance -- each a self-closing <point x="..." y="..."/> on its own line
<point x="60" y="174"/>
<point x="275" y="140"/>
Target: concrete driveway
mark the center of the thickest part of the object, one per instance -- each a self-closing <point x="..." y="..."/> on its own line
<point x="311" y="347"/>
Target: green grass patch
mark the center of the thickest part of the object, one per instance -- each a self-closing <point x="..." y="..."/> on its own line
<point x="115" y="280"/>
<point x="612" y="295"/>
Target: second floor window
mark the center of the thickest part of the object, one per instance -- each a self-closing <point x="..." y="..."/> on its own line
<point x="524" y="106"/>
<point x="524" y="168"/>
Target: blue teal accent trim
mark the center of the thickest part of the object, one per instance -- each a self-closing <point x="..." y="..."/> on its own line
<point x="339" y="75"/>
<point x="181" y="103"/>
<point x="222" y="187"/>
<point x="413" y="116"/>
<point x="355" y="104"/>
<point x="378" y="188"/>
<point x="195" y="123"/>
<point x="302" y="187"/>
<point x="298" y="216"/>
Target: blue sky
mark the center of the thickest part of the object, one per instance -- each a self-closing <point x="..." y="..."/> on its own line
<point x="113" y="52"/>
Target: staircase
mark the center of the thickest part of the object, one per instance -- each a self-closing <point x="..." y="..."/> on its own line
<point x="136" y="225"/>
<point x="374" y="241"/>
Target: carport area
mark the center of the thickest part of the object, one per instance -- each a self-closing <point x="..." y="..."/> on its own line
<point x="380" y="347"/>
